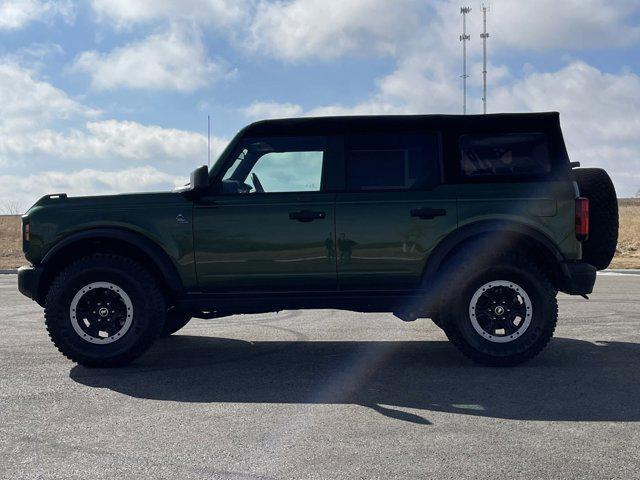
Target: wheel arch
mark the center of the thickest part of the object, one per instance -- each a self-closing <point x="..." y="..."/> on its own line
<point x="489" y="235"/>
<point x="110" y="240"/>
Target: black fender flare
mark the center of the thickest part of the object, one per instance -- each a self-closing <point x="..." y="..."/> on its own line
<point x="157" y="255"/>
<point x="449" y="243"/>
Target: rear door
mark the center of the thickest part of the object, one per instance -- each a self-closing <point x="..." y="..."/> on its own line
<point x="394" y="210"/>
<point x="268" y="224"/>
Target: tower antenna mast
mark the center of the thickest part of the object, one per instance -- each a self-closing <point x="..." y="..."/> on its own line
<point x="464" y="38"/>
<point x="484" y="35"/>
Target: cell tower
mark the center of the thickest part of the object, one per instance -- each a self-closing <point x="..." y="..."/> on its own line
<point x="464" y="38"/>
<point x="484" y="35"/>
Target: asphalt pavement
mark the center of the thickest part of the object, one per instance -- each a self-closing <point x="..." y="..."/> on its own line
<point x="326" y="394"/>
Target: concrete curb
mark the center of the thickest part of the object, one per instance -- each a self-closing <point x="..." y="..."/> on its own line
<point x="621" y="271"/>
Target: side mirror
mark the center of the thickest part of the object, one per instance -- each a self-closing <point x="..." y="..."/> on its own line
<point x="199" y="178"/>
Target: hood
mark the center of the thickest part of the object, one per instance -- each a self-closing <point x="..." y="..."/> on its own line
<point x="104" y="201"/>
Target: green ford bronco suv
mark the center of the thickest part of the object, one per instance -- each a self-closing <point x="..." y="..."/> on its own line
<point x="473" y="221"/>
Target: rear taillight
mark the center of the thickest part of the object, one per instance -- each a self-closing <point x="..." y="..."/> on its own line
<point x="582" y="218"/>
<point x="26" y="234"/>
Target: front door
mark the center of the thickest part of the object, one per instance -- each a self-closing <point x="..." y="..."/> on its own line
<point x="393" y="213"/>
<point x="267" y="224"/>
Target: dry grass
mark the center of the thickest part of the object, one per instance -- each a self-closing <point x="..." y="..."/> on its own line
<point x="10" y="242"/>
<point x="627" y="256"/>
<point x="628" y="252"/>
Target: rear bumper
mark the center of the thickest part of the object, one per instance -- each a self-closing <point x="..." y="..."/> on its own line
<point x="578" y="278"/>
<point x="29" y="281"/>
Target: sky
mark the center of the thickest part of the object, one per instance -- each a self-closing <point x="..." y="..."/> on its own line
<point x="109" y="96"/>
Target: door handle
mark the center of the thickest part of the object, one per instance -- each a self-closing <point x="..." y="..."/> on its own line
<point x="306" y="216"/>
<point x="428" y="213"/>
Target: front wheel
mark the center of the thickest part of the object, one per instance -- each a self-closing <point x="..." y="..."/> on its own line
<point x="504" y="313"/>
<point x="104" y="311"/>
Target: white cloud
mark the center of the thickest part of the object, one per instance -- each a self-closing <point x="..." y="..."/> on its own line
<point x="16" y="14"/>
<point x="27" y="102"/>
<point x="172" y="60"/>
<point x="214" y="12"/>
<point x="515" y="25"/>
<point x="108" y="144"/>
<point x="419" y="84"/>
<point x="25" y="190"/>
<point x="569" y="24"/>
<point x="41" y="127"/>
<point x="295" y="30"/>
<point x="299" y="29"/>
<point x="266" y="110"/>
<point x="109" y="139"/>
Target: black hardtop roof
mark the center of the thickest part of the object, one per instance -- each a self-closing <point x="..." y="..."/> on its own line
<point x="400" y="123"/>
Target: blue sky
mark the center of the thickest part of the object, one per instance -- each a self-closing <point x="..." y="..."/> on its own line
<point x="108" y="96"/>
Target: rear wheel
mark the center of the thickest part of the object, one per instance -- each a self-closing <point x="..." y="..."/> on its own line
<point x="502" y="313"/>
<point x="104" y="311"/>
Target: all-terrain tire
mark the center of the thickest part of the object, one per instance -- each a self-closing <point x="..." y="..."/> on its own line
<point x="596" y="185"/>
<point x="147" y="310"/>
<point x="174" y="321"/>
<point x="467" y="277"/>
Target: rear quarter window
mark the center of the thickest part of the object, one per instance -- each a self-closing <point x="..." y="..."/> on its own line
<point x="504" y="155"/>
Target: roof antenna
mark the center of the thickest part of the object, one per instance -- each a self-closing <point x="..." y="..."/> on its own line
<point x="209" y="141"/>
<point x="463" y="38"/>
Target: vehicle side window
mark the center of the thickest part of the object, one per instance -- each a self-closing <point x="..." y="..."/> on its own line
<point x="276" y="165"/>
<point x="391" y="162"/>
<point x="505" y="155"/>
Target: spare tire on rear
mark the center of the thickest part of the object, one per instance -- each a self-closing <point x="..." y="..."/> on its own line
<point x="596" y="185"/>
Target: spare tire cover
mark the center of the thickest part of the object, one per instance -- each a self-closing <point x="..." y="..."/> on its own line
<point x="596" y="185"/>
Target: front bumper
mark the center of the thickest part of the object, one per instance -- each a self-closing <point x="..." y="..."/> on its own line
<point x="578" y="278"/>
<point x="29" y="281"/>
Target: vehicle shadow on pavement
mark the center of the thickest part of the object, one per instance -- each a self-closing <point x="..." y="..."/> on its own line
<point x="573" y="380"/>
